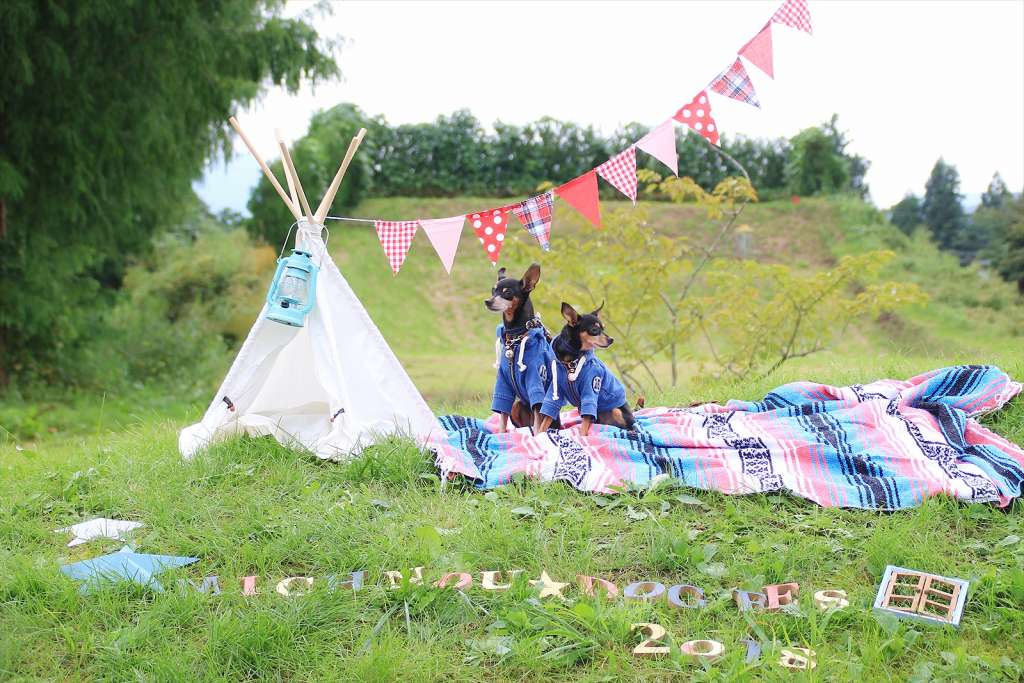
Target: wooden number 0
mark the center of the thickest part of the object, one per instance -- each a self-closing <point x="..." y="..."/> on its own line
<point x="649" y="647"/>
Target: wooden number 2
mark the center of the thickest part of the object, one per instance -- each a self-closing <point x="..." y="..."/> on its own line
<point x="650" y="648"/>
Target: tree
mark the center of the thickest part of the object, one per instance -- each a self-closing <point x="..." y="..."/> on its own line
<point x="943" y="212"/>
<point x="856" y="165"/>
<point x="1011" y="265"/>
<point x="996" y="194"/>
<point x="109" y="112"/>
<point x="316" y="157"/>
<point x="907" y="214"/>
<point x="1005" y="225"/>
<point x="814" y="166"/>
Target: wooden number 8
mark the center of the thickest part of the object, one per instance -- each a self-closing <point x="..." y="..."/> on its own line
<point x="649" y="647"/>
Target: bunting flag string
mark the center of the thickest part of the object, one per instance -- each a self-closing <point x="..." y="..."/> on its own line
<point x="581" y="194"/>
<point x="735" y="84"/>
<point x="697" y="115"/>
<point x="758" y="50"/>
<point x="660" y="143"/>
<point x="396" y="238"/>
<point x="794" y="13"/>
<point x="535" y="214"/>
<point x="444" y="234"/>
<point x="490" y="227"/>
<point x="620" y="172"/>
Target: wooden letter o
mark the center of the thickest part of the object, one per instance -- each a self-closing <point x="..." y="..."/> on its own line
<point x="644" y="590"/>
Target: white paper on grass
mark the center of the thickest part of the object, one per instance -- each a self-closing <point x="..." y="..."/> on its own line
<point x="101" y="527"/>
<point x="331" y="387"/>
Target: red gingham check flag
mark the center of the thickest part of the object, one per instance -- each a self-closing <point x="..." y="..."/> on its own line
<point x="396" y="238"/>
<point x="735" y="82"/>
<point x="794" y="13"/>
<point x="535" y="214"/>
<point x="620" y="171"/>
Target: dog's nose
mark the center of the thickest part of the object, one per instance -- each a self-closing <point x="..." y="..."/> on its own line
<point x="610" y="341"/>
<point x="487" y="302"/>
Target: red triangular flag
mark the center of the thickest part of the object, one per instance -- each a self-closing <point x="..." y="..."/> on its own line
<point x="697" y="115"/>
<point x="794" y="13"/>
<point x="620" y="172"/>
<point x="759" y="50"/>
<point x="581" y="194"/>
<point x="490" y="227"/>
<point x="735" y="84"/>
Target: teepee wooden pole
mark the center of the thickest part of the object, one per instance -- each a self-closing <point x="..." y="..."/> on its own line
<point x="287" y="175"/>
<point x="292" y="174"/>
<point x="266" y="169"/>
<point x="325" y="204"/>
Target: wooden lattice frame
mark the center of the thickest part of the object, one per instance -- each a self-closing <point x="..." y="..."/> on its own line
<point x="919" y="595"/>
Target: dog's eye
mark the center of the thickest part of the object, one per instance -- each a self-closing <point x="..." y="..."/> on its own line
<point x="595" y="331"/>
<point x="506" y="292"/>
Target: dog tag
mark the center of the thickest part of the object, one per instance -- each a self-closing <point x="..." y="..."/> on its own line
<point x="508" y="353"/>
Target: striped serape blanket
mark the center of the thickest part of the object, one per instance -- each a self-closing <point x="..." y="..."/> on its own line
<point x="885" y="445"/>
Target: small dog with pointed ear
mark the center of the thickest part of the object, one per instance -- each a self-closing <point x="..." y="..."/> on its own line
<point x="522" y="351"/>
<point x="579" y="378"/>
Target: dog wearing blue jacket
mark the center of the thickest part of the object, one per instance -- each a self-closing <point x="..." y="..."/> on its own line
<point x="580" y="379"/>
<point x="523" y="353"/>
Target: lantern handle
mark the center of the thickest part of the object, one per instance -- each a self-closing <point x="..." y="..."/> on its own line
<point x="284" y="245"/>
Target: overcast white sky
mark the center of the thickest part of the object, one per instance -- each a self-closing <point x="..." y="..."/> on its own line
<point x="911" y="81"/>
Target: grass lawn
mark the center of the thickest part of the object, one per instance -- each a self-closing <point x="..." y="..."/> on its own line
<point x="251" y="508"/>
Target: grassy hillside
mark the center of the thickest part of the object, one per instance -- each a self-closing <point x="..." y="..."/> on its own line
<point x="251" y="508"/>
<point x="439" y="328"/>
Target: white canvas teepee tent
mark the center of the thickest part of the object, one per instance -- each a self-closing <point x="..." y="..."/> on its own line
<point x="332" y="386"/>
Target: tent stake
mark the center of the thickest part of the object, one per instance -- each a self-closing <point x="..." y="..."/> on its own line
<point x="325" y="203"/>
<point x="266" y="169"/>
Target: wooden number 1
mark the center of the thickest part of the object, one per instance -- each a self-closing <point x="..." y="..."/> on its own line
<point x="650" y="648"/>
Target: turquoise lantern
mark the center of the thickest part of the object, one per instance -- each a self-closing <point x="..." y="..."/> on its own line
<point x="293" y="291"/>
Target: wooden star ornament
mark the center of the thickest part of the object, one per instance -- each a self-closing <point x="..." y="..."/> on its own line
<point x="549" y="587"/>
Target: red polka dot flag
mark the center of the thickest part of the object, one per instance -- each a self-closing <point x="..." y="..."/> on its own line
<point x="490" y="227"/>
<point x="697" y="115"/>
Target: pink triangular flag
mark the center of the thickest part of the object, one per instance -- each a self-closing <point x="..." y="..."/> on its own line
<point x="396" y="238"/>
<point x="794" y="13"/>
<point x="444" y="234"/>
<point x="620" y="171"/>
<point x="660" y="143"/>
<point x="759" y="50"/>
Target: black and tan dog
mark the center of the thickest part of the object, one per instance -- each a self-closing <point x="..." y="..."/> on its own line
<point x="522" y="349"/>
<point x="580" y="379"/>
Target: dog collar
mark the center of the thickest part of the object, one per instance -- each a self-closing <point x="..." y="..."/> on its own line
<point x="522" y="330"/>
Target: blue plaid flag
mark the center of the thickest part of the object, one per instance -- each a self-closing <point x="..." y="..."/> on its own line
<point x="535" y="214"/>
<point x="735" y="82"/>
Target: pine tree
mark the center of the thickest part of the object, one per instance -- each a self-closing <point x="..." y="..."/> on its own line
<point x="109" y="111"/>
<point x="907" y="214"/>
<point x="942" y="210"/>
<point x="996" y="194"/>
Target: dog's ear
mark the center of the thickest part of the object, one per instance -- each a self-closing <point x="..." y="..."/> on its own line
<point x="597" y="311"/>
<point x="501" y="274"/>
<point x="530" y="277"/>
<point x="570" y="314"/>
